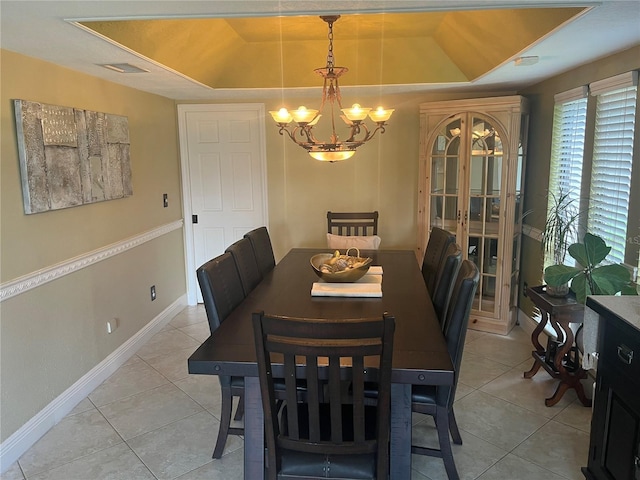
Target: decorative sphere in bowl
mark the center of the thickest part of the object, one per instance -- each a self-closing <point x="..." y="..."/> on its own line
<point x="336" y="268"/>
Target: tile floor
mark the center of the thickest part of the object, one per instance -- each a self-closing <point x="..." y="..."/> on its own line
<point x="152" y="420"/>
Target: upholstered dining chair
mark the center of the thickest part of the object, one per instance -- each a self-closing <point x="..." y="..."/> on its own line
<point x="246" y="263"/>
<point x="330" y="433"/>
<point x="262" y="248"/>
<point x="222" y="292"/>
<point x="447" y="272"/>
<point x="437" y="401"/>
<point x="437" y="244"/>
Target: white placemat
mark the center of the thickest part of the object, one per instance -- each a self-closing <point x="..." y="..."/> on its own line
<point x="375" y="270"/>
<point x="324" y="289"/>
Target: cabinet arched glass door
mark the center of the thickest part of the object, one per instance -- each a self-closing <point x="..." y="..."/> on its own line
<point x="445" y="177"/>
<point x="483" y="215"/>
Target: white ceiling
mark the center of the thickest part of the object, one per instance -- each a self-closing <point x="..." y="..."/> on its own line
<point x="46" y="30"/>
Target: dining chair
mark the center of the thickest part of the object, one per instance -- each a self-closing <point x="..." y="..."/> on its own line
<point x="330" y="432"/>
<point x="262" y="248"/>
<point x="437" y="401"/>
<point x="221" y="293"/>
<point x="246" y="263"/>
<point x="361" y="224"/>
<point x="445" y="278"/>
<point x="437" y="244"/>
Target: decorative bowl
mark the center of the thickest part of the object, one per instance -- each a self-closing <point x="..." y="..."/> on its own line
<point x="348" y="268"/>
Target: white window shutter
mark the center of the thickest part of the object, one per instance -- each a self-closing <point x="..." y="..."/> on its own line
<point x="612" y="164"/>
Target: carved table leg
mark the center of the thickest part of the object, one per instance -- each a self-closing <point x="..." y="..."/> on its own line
<point x="539" y="349"/>
<point x="533" y="370"/>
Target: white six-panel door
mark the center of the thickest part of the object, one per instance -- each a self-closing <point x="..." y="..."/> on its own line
<point x="223" y="178"/>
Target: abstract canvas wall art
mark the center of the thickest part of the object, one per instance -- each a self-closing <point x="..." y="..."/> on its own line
<point x="71" y="157"/>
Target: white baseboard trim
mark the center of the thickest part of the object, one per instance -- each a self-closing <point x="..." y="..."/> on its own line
<point x="27" y="435"/>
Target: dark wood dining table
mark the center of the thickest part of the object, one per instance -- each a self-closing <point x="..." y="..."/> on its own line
<point x="419" y="351"/>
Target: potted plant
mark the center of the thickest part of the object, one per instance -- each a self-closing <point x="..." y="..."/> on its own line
<point x="591" y="278"/>
<point x="560" y="230"/>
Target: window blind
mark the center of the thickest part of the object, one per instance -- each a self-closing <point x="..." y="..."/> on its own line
<point x="567" y="151"/>
<point x="567" y="148"/>
<point x="611" y="169"/>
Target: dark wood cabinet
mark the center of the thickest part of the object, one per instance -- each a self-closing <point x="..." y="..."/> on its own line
<point x="614" y="450"/>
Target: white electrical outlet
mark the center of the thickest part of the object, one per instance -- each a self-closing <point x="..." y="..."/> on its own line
<point x="112" y="325"/>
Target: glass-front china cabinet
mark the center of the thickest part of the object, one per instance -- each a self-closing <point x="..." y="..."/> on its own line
<point x="472" y="156"/>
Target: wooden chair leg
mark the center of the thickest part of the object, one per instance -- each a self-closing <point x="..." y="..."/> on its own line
<point x="225" y="420"/>
<point x="453" y="428"/>
<point x="442" y="425"/>
<point x="240" y="410"/>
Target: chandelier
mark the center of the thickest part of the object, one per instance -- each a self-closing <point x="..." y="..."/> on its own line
<point x="301" y="132"/>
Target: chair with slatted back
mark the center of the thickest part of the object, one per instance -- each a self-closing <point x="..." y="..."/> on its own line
<point x="262" y="248"/>
<point x="437" y="401"/>
<point x="439" y="240"/>
<point x="330" y="433"/>
<point x="221" y="293"/>
<point x="246" y="263"/>
<point x="445" y="278"/>
<point x="362" y="223"/>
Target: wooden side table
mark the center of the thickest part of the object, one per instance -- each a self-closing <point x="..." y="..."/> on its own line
<point x="559" y="359"/>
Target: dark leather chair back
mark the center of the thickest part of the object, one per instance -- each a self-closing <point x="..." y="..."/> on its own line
<point x="246" y="263"/>
<point x="221" y="288"/>
<point x="456" y="322"/>
<point x="445" y="278"/>
<point x="439" y="240"/>
<point x="352" y="224"/>
<point x="262" y="248"/>
<point x="330" y="429"/>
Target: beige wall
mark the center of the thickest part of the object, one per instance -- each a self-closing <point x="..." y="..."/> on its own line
<point x="54" y="334"/>
<point x="537" y="173"/>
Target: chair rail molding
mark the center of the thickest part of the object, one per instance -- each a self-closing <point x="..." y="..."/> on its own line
<point x="40" y="277"/>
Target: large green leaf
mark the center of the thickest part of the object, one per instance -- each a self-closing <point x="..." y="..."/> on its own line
<point x="596" y="249"/>
<point x="609" y="279"/>
<point x="581" y="288"/>
<point x="557" y="275"/>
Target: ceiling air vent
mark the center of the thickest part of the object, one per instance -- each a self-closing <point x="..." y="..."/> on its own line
<point x="124" y="68"/>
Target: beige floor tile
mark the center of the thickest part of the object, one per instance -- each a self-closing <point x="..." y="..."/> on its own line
<point x="229" y="467"/>
<point x="115" y="463"/>
<point x="528" y="393"/>
<point x="519" y="334"/>
<point x="501" y="349"/>
<point x="472" y="458"/>
<point x="172" y="365"/>
<point x="12" y="473"/>
<point x="576" y="415"/>
<point x="189" y="316"/>
<point x="146" y="411"/>
<point x="182" y="446"/>
<point x="514" y="468"/>
<point x="204" y="389"/>
<point x="473" y="335"/>
<point x="558" y="448"/>
<point x="463" y="390"/>
<point x="75" y="436"/>
<point x="84" y="406"/>
<point x="198" y="331"/>
<point x="165" y="342"/>
<point x="126" y="381"/>
<point x="477" y="370"/>
<point x="496" y="421"/>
